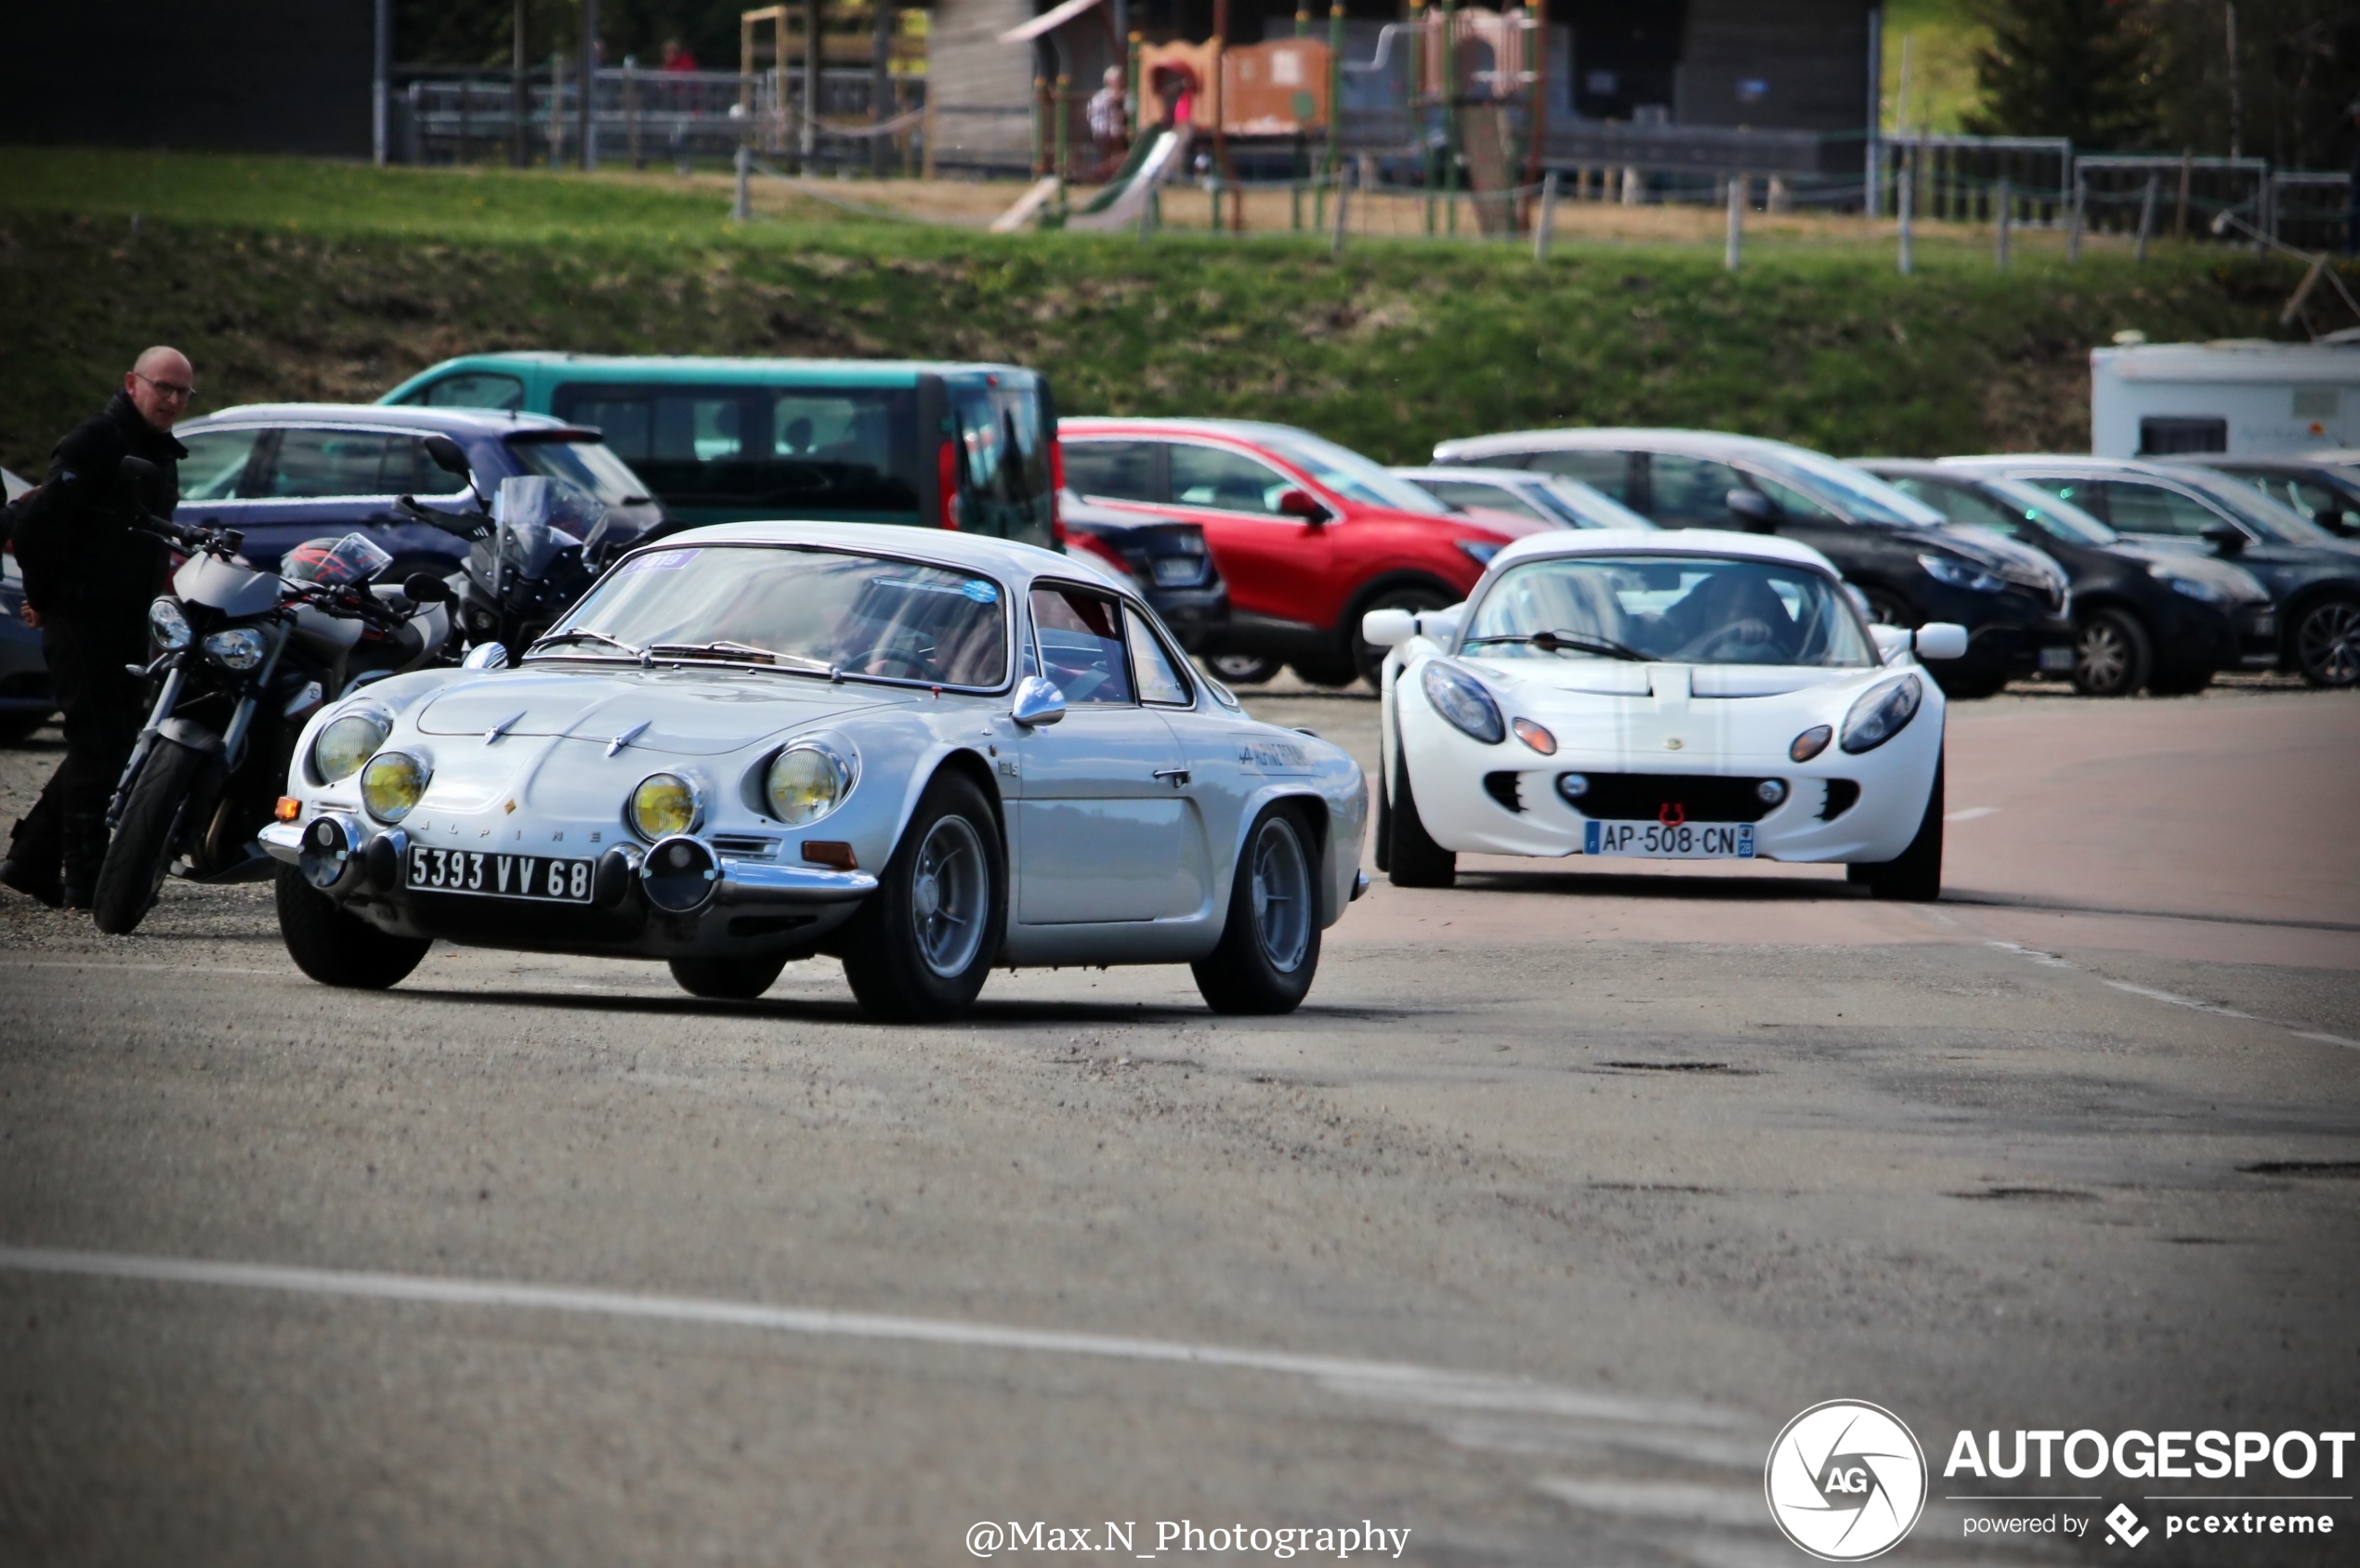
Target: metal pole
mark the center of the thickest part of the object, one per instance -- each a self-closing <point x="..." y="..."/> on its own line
<point x="741" y="208"/>
<point x="2003" y="216"/>
<point x="1058" y="103"/>
<point x="881" y="82"/>
<point x="2180" y="220"/>
<point x="2080" y="203"/>
<point x="1344" y="186"/>
<point x="2147" y="215"/>
<point x="1871" y="192"/>
<point x="1903" y="201"/>
<point x="586" y="111"/>
<point x="467" y="116"/>
<point x="1335" y="86"/>
<point x="807" y="144"/>
<point x="519" y="91"/>
<point x="1541" y="230"/>
<point x="557" y="109"/>
<point x="1731" y="251"/>
<point x="2236" y="100"/>
<point x="381" y="87"/>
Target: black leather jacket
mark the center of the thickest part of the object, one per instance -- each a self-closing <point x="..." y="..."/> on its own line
<point x="76" y="538"/>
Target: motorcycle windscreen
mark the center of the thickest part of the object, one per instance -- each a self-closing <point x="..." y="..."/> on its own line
<point x="337" y="563"/>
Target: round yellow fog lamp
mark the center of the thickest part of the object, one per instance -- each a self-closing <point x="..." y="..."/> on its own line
<point x="664" y="804"/>
<point x="391" y="784"/>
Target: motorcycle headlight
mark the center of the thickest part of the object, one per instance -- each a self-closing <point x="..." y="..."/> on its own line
<point x="1882" y="714"/>
<point x="806" y="783"/>
<point x="1958" y="574"/>
<point x="393" y="783"/>
<point x="237" y="648"/>
<point x="664" y="804"/>
<point x="346" y="743"/>
<point x="1460" y="698"/>
<point x="2196" y="588"/>
<point x="167" y="626"/>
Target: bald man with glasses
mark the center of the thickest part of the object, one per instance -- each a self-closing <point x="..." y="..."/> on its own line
<point x="89" y="575"/>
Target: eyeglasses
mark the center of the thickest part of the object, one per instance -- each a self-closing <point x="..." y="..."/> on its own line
<point x="168" y="389"/>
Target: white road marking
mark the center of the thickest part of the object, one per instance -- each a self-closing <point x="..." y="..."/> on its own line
<point x="2035" y="954"/>
<point x="2326" y="1039"/>
<point x="1969" y="814"/>
<point x="146" y="968"/>
<point x="1382" y="1380"/>
<point x="2175" y="1000"/>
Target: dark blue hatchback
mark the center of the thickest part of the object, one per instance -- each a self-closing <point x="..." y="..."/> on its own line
<point x="282" y="473"/>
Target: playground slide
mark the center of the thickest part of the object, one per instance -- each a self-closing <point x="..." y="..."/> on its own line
<point x="1152" y="162"/>
<point x="1027" y="208"/>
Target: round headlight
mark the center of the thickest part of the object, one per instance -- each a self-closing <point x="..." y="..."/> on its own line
<point x="392" y="784"/>
<point x="239" y="648"/>
<point x="804" y="783"/>
<point x="1880" y="714"/>
<point x="1460" y="700"/>
<point x="167" y="626"/>
<point x="346" y="743"/>
<point x="664" y="804"/>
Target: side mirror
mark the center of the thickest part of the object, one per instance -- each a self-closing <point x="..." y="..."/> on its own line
<point x="449" y="457"/>
<point x="1388" y="628"/>
<point x="1301" y="503"/>
<point x="2227" y="538"/>
<point x="425" y="588"/>
<point x="486" y="656"/>
<point x="1751" y="509"/>
<point x="1889" y="640"/>
<point x="1940" y="639"/>
<point x="1038" y="703"/>
<point x="1442" y="625"/>
<point x="139" y="471"/>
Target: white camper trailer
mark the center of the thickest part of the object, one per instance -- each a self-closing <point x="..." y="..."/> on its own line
<point x="2245" y="396"/>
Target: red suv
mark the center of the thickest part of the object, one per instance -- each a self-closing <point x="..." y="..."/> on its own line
<point x="1309" y="535"/>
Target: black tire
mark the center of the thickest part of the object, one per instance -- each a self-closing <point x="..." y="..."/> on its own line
<point x="909" y="956"/>
<point x="729" y="979"/>
<point x="2179" y="683"/>
<point x="336" y="948"/>
<point x="21" y="726"/>
<point x="1415" y="859"/>
<point x="141" y="849"/>
<point x="1336" y="673"/>
<point x="2112" y="655"/>
<point x="1915" y="875"/>
<point x="1242" y="669"/>
<point x="1412" y="596"/>
<point x="1269" y="949"/>
<point x="2326" y="641"/>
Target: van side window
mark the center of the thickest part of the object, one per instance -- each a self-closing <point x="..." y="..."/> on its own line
<point x="847" y="453"/>
<point x="1005" y="490"/>
<point x="471" y="390"/>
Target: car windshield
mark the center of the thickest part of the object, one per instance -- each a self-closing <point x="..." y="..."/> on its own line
<point x="1854" y="493"/>
<point x="798" y="608"/>
<point x="1588" y="508"/>
<point x="1696" y="609"/>
<point x="591" y="465"/>
<point x="2062" y="518"/>
<point x="1347" y="473"/>
<point x="2254" y="509"/>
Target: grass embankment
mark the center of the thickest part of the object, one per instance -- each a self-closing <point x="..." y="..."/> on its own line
<point x="286" y="278"/>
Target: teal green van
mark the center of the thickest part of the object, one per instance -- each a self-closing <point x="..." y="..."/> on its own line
<point x="970" y="446"/>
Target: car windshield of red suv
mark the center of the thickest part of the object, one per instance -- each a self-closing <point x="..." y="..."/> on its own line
<point x="1349" y="475"/>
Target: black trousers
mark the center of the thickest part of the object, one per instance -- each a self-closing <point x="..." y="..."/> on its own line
<point x="66" y="831"/>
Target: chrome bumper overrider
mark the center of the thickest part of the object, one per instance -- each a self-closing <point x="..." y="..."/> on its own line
<point x="284" y="840"/>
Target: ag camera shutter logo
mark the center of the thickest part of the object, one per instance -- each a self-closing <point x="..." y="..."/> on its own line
<point x="1846" y="1480"/>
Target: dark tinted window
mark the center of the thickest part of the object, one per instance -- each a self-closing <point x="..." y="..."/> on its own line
<point x="2136" y="508"/>
<point x="313" y="464"/>
<point x="802" y="450"/>
<point x="1690" y="492"/>
<point x="215" y="463"/>
<point x="2161" y="436"/>
<point x="471" y="390"/>
<point x="1959" y="504"/>
<point x="1606" y="472"/>
<point x="1005" y="488"/>
<point x="1115" y="470"/>
<point x="1231" y="481"/>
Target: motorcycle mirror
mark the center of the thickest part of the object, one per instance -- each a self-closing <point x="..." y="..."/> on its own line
<point x="449" y="457"/>
<point x="138" y="470"/>
<point x="425" y="588"/>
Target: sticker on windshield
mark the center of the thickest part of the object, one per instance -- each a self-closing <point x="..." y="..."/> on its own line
<point x="981" y="592"/>
<point x="661" y="560"/>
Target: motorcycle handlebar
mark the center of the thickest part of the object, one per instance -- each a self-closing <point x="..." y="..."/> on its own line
<point x="463" y="527"/>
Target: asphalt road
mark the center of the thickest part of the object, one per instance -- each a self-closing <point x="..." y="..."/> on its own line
<point x="1561" y="1195"/>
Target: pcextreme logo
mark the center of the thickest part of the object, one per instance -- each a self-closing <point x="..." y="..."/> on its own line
<point x="1846" y="1480"/>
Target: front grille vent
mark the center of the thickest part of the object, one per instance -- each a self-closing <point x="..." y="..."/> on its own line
<point x="1657" y="797"/>
<point x="1506" y="788"/>
<point x="745" y="846"/>
<point x="1842" y="795"/>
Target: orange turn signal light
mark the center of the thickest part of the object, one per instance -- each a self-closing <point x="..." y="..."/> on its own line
<point x="831" y="852"/>
<point x="1535" y="737"/>
<point x="289" y="808"/>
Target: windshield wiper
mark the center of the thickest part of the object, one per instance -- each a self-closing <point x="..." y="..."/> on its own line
<point x="583" y="635"/>
<point x="722" y="647"/>
<point x="1556" y="642"/>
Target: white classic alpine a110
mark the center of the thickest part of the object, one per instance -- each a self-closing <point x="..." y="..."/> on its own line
<point x="926" y="754"/>
<point x="1686" y="694"/>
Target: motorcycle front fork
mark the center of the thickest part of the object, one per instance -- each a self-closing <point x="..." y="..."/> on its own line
<point x="165" y="700"/>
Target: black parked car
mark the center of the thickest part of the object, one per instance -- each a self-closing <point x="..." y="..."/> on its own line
<point x="2323" y="487"/>
<point x="2143" y="615"/>
<point x="282" y="473"/>
<point x="1164" y="560"/>
<point x="2313" y="576"/>
<point x="1904" y="557"/>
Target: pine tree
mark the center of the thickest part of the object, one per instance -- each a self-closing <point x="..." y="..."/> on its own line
<point x="2080" y="69"/>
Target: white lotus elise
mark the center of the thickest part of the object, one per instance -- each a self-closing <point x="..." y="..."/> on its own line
<point x="1684" y="695"/>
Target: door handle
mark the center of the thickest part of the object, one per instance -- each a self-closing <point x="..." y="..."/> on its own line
<point x="1178" y="775"/>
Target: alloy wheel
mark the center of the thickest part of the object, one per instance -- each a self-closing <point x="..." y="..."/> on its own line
<point x="1281" y="895"/>
<point x="2329" y="644"/>
<point x="949" y="896"/>
<point x="2101" y="657"/>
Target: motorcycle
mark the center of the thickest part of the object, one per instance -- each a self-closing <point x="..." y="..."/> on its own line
<point x="532" y="551"/>
<point x="247" y="657"/>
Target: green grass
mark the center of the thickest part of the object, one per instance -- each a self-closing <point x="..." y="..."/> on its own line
<point x="284" y="279"/>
